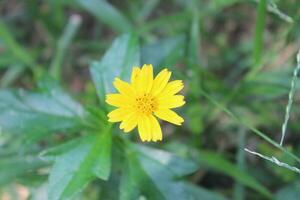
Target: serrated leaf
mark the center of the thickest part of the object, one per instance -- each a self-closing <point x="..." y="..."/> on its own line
<point x="74" y="169"/>
<point x="117" y="62"/>
<point x="155" y="178"/>
<point x="135" y="182"/>
<point x="37" y="114"/>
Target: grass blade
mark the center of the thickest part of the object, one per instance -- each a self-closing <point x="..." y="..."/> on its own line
<point x="63" y="44"/>
<point x="258" y="36"/>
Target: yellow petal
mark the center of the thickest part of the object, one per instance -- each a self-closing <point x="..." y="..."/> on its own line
<point x="160" y="81"/>
<point x="156" y="130"/>
<point x="118" y="115"/>
<point x="144" y="128"/>
<point x="130" y="122"/>
<point x="171" y="102"/>
<point x="169" y="115"/>
<point x="124" y="88"/>
<point x="118" y="100"/>
<point x="134" y="74"/>
<point x="145" y="79"/>
<point x="172" y="88"/>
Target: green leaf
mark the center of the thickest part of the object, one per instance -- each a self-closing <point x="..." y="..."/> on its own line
<point x="11" y="168"/>
<point x="117" y="62"/>
<point x="105" y="12"/>
<point x="18" y="51"/>
<point x="153" y="174"/>
<point x="37" y="114"/>
<point x="290" y="192"/>
<point x="135" y="181"/>
<point x="217" y="162"/>
<point x="178" y="165"/>
<point x="74" y="169"/>
<point x="163" y="52"/>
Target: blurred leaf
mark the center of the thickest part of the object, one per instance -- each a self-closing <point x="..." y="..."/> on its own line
<point x="290" y="192"/>
<point x="117" y="62"/>
<point x="6" y="59"/>
<point x="217" y="162"/>
<point x="178" y="165"/>
<point x="74" y="169"/>
<point x="11" y="75"/>
<point x="105" y="12"/>
<point x="218" y="5"/>
<point x="163" y="52"/>
<point x="195" y="114"/>
<point x="269" y="85"/>
<point x="63" y="44"/>
<point x="37" y="114"/>
<point x="135" y="181"/>
<point x="152" y="173"/>
<point x="19" y="52"/>
<point x="53" y="152"/>
<point x="11" y="168"/>
<point x="258" y="39"/>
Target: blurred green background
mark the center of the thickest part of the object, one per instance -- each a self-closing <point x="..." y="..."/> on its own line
<point x="233" y="56"/>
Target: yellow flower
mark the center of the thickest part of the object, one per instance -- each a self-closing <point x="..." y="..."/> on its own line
<point x="143" y="98"/>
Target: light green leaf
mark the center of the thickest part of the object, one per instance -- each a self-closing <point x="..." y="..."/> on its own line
<point x="135" y="182"/>
<point x="74" y="169"/>
<point x="163" y="52"/>
<point x="290" y="192"/>
<point x="11" y="168"/>
<point x="117" y="62"/>
<point x="37" y="114"/>
<point x="105" y="12"/>
<point x="154" y="174"/>
<point x="177" y="165"/>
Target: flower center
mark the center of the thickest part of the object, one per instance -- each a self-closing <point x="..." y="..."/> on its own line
<point x="146" y="104"/>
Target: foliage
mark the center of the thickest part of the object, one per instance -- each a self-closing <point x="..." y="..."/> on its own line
<point x="235" y="57"/>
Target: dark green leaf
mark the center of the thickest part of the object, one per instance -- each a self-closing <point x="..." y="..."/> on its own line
<point x="217" y="162"/>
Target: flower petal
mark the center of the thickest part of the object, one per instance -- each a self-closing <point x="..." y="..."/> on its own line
<point x="118" y="115"/>
<point x="171" y="102"/>
<point x="130" y="122"/>
<point x="172" y="88"/>
<point x="160" y="81"/>
<point x="118" y="100"/>
<point x="124" y="88"/>
<point x="134" y="74"/>
<point x="169" y="115"/>
<point x="155" y="129"/>
<point x="145" y="79"/>
<point x="144" y="129"/>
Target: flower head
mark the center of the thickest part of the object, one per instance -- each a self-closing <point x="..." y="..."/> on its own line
<point x="145" y="97"/>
